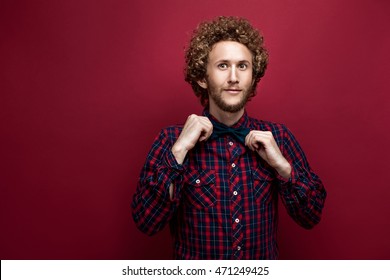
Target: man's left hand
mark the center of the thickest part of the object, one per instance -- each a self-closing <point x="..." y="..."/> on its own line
<point x="263" y="142"/>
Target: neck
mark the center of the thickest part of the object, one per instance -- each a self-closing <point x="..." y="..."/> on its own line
<point x="227" y="118"/>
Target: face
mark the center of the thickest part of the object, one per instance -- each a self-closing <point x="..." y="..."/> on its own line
<point x="228" y="77"/>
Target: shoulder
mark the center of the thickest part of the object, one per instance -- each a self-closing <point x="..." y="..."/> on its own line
<point x="170" y="132"/>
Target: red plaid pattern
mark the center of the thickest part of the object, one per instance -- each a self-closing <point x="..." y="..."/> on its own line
<point x="225" y="198"/>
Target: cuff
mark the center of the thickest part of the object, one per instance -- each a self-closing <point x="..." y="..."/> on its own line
<point x="170" y="161"/>
<point x="175" y="177"/>
<point x="285" y="183"/>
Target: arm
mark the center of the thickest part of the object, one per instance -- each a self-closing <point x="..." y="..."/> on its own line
<point x="159" y="188"/>
<point x="152" y="204"/>
<point x="303" y="194"/>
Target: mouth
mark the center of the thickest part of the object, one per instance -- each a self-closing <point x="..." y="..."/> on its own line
<point x="233" y="90"/>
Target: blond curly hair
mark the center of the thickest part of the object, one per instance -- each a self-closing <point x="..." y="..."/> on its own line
<point x="222" y="29"/>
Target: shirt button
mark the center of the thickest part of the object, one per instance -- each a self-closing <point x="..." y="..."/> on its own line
<point x="197" y="181"/>
<point x="235" y="193"/>
<point x="233" y="165"/>
<point x="238" y="248"/>
<point x="237" y="220"/>
<point x="231" y="143"/>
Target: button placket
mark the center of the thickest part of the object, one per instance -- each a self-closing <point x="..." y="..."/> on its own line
<point x="235" y="150"/>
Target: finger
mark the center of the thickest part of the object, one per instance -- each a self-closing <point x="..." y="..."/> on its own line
<point x="249" y="140"/>
<point x="261" y="138"/>
<point x="246" y="142"/>
<point x="259" y="141"/>
<point x="207" y="131"/>
<point x="208" y="126"/>
<point x="195" y="128"/>
<point x="202" y="138"/>
<point x="253" y="141"/>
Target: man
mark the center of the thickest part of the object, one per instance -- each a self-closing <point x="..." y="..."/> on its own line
<point x="216" y="179"/>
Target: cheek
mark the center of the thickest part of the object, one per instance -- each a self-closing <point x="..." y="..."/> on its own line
<point x="216" y="79"/>
<point x="223" y="77"/>
<point x="248" y="80"/>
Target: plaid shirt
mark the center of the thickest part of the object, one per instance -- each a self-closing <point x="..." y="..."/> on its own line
<point x="225" y="200"/>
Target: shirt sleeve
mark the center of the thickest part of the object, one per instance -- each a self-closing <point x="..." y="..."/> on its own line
<point x="152" y="207"/>
<point x="303" y="194"/>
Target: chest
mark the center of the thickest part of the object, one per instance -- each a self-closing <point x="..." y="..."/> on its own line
<point x="224" y="171"/>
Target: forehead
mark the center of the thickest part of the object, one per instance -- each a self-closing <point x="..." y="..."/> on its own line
<point x="230" y="51"/>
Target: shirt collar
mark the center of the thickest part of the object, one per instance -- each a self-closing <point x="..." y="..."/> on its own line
<point x="242" y="122"/>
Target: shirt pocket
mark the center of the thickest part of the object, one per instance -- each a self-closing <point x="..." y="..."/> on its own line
<point x="262" y="184"/>
<point x="199" y="189"/>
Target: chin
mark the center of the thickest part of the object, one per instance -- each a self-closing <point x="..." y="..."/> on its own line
<point x="232" y="108"/>
<point x="229" y="104"/>
<point x="233" y="101"/>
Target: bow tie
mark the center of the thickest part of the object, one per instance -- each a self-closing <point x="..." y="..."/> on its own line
<point x="220" y="129"/>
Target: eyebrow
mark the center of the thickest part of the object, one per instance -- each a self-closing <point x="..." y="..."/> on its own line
<point x="228" y="61"/>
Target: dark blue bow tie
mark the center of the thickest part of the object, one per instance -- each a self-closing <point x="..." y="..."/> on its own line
<point x="220" y="129"/>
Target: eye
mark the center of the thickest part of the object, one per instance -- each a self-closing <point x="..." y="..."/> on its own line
<point x="242" y="66"/>
<point x="222" y="66"/>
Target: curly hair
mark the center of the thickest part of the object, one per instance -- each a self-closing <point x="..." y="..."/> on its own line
<point x="222" y="29"/>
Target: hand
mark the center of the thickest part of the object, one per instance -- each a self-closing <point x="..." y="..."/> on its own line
<point x="263" y="142"/>
<point x="196" y="129"/>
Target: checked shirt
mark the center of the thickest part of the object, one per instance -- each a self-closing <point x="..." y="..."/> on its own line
<point x="225" y="201"/>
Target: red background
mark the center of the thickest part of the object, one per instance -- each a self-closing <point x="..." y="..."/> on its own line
<point x="87" y="85"/>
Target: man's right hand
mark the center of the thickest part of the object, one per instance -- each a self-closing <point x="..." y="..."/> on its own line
<point x="196" y="129"/>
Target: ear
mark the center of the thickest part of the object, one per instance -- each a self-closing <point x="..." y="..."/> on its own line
<point x="202" y="83"/>
<point x="253" y="82"/>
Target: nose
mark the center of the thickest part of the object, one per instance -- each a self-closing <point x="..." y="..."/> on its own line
<point x="233" y="77"/>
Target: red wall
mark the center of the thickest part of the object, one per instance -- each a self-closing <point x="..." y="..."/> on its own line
<point x="87" y="85"/>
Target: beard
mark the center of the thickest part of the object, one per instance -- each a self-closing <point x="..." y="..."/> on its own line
<point x="216" y="95"/>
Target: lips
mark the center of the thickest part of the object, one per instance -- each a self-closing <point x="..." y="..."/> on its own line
<point x="233" y="90"/>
